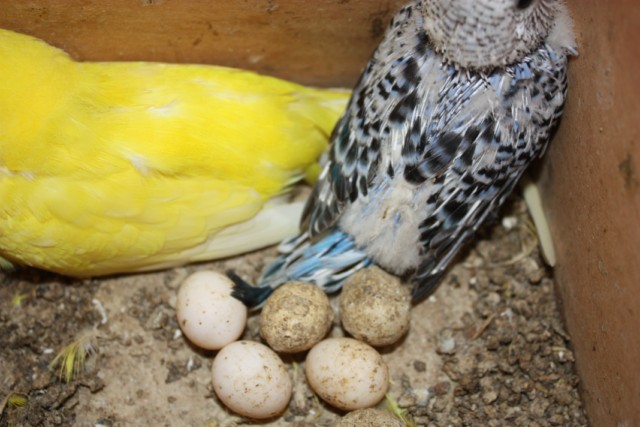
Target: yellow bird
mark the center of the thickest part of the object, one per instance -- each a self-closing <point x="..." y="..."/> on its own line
<point x="116" y="167"/>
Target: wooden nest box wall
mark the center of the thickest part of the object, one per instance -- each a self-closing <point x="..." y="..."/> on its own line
<point x="590" y="176"/>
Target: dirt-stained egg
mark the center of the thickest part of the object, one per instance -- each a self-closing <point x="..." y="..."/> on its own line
<point x="369" y="417"/>
<point x="347" y="373"/>
<point x="251" y="380"/>
<point x="207" y="313"/>
<point x="375" y="307"/>
<point x="295" y="317"/>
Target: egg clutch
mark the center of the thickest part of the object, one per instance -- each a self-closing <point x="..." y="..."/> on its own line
<point x="251" y="379"/>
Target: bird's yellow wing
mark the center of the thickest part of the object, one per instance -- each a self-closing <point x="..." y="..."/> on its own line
<point x="110" y="167"/>
<point x="109" y="225"/>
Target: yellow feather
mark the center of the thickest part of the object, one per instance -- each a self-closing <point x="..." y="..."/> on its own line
<point x="116" y="167"/>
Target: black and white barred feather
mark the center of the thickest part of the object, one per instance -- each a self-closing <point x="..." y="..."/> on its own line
<point x="430" y="146"/>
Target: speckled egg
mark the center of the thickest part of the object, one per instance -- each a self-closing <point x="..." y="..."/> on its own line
<point x="207" y="313"/>
<point x="251" y="380"/>
<point x="295" y="317"/>
<point x="347" y="373"/>
<point x="375" y="307"/>
<point x="369" y="417"/>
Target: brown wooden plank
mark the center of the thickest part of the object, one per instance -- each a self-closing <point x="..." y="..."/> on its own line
<point x="591" y="184"/>
<point x="322" y="42"/>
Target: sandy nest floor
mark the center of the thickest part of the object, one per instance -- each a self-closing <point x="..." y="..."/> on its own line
<point x="488" y="349"/>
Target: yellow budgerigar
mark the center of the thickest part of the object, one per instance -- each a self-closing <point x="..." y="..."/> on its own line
<point x="110" y="167"/>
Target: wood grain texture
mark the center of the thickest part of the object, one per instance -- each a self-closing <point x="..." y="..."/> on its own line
<point x="591" y="183"/>
<point x="320" y="42"/>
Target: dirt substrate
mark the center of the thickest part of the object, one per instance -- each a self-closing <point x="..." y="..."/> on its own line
<point x="489" y="349"/>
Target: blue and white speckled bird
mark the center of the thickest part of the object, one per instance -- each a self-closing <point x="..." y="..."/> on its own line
<point x="458" y="99"/>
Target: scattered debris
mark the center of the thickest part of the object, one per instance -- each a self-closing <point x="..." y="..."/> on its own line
<point x="505" y="359"/>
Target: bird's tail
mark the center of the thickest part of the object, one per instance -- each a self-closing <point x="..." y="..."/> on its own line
<point x="326" y="262"/>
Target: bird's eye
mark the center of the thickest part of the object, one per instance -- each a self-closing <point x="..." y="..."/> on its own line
<point x="523" y="4"/>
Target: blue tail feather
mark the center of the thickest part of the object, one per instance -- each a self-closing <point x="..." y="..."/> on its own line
<point x="326" y="262"/>
<point x="251" y="296"/>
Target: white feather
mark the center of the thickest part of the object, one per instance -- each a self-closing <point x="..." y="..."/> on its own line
<point x="277" y="221"/>
<point x="562" y="36"/>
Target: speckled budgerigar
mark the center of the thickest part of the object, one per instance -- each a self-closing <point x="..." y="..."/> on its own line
<point x="117" y="167"/>
<point x="458" y="99"/>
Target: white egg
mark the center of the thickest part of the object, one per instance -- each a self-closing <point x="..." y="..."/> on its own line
<point x="347" y="373"/>
<point x="207" y="313"/>
<point x="251" y="380"/>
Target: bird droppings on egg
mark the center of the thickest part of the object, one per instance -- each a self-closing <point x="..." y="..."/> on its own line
<point x="369" y="417"/>
<point x="375" y="307"/>
<point x="347" y="373"/>
<point x="207" y="313"/>
<point x="295" y="317"/>
<point x="251" y="380"/>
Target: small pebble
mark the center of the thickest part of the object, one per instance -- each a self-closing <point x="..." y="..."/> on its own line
<point x="442" y="388"/>
<point x="446" y="345"/>
<point x="419" y="366"/>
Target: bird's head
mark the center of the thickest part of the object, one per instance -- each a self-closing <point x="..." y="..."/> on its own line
<point x="484" y="34"/>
